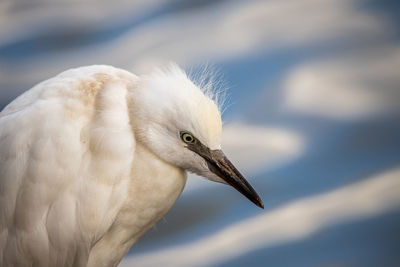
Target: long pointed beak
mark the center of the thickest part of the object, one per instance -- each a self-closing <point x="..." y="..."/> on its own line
<point x="221" y="166"/>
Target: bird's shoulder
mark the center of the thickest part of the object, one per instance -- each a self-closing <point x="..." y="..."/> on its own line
<point x="66" y="146"/>
<point x="80" y="86"/>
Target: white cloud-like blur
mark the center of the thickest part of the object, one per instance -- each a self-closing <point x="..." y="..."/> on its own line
<point x="254" y="149"/>
<point x="257" y="148"/>
<point x="19" y="18"/>
<point x="236" y="29"/>
<point x="360" y="80"/>
<point x="213" y="33"/>
<point x="290" y="222"/>
<point x="363" y="84"/>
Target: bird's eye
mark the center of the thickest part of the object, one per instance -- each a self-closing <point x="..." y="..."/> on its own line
<point x="187" y="138"/>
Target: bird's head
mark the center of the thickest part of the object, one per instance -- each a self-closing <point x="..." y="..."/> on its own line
<point x="181" y="123"/>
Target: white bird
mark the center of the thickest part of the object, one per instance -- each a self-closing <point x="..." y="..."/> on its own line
<point x="94" y="157"/>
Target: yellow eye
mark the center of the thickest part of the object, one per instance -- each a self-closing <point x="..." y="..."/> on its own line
<point x="187" y="138"/>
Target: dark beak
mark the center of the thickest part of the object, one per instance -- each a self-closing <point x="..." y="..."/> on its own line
<point x="219" y="164"/>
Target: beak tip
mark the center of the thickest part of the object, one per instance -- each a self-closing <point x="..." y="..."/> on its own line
<point x="219" y="164"/>
<point x="259" y="203"/>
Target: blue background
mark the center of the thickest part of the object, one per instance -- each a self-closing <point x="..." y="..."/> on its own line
<point x="324" y="75"/>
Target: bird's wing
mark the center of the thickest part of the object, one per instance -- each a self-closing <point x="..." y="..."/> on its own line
<point x="66" y="147"/>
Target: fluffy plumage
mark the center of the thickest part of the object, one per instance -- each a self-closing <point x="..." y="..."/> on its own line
<point x="94" y="157"/>
<point x="90" y="160"/>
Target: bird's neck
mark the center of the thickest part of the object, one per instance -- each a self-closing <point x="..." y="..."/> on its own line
<point x="154" y="187"/>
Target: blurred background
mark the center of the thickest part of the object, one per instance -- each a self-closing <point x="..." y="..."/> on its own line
<point x="312" y="117"/>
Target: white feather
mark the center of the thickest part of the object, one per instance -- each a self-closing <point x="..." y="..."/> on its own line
<point x="90" y="160"/>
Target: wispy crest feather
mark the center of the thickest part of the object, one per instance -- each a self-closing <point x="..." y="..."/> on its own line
<point x="211" y="81"/>
<point x="206" y="77"/>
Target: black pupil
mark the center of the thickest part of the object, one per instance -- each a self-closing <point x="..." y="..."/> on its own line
<point x="188" y="138"/>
